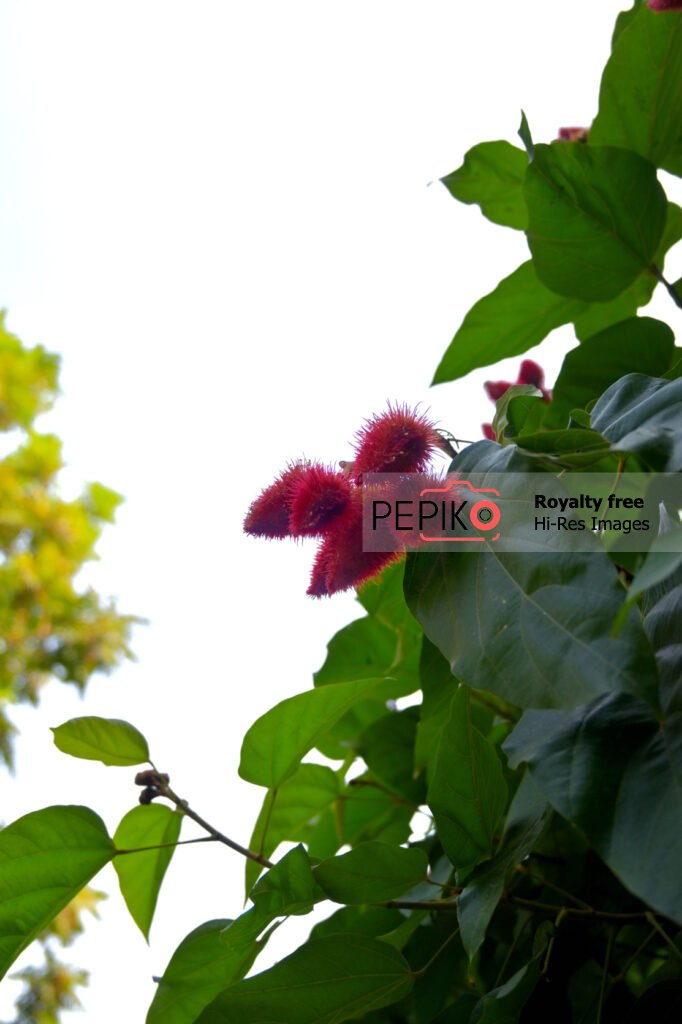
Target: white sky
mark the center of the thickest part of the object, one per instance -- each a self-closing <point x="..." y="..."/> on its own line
<point x="219" y="214"/>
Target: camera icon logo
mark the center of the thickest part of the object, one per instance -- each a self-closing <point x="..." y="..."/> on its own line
<point x="473" y="520"/>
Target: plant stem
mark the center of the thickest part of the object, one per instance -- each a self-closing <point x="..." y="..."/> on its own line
<point x="422" y="970"/>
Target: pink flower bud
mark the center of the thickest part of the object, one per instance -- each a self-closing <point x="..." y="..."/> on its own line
<point x="494" y="389"/>
<point x="531" y="373"/>
<point x="573" y="134"/>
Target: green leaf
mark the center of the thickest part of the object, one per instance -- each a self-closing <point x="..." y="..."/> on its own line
<point x="289" y="810"/>
<point x="140" y="874"/>
<point x="531" y="628"/>
<point x="503" y="1004"/>
<point x="526" y="137"/>
<point x="641" y="91"/>
<point x="372" y="873"/>
<point x="467" y="791"/>
<point x="527" y="818"/>
<point x="201" y="967"/>
<point x="601" y="360"/>
<point x="595" y="218"/>
<point x="611" y="769"/>
<point x="276" y="742"/>
<point x="492" y="176"/>
<point x="600" y="315"/>
<point x="326" y="981"/>
<point x="643" y="415"/>
<point x="526" y="410"/>
<point x="108" y="740"/>
<point x="517" y="315"/>
<point x="387" y="748"/>
<point x="290" y="887"/>
<point x="46" y="858"/>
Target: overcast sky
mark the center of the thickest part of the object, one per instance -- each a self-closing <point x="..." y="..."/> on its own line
<point x="222" y="215"/>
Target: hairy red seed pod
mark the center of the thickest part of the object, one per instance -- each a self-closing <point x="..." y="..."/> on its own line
<point x="494" y="389"/>
<point x="665" y="5"/>
<point x="340" y="562"/>
<point x="269" y="514"/>
<point x="320" y="496"/>
<point x="400" y="440"/>
<point x="488" y="431"/>
<point x="531" y="372"/>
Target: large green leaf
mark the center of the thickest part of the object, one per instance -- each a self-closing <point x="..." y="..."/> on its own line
<point x="600" y="315"/>
<point x="289" y="810"/>
<point x="108" y="740"/>
<point x="517" y="315"/>
<point x="372" y="873"/>
<point x="274" y="745"/>
<point x="595" y="218"/>
<point x="503" y="1004"/>
<point x="326" y="981"/>
<point x="46" y="858"/>
<point x="590" y="368"/>
<point x="611" y="769"/>
<point x="643" y="415"/>
<point x="641" y="91"/>
<point x="467" y="792"/>
<point x="492" y="176"/>
<point x="201" y="967"/>
<point x="531" y="628"/>
<point x="140" y="874"/>
<point x="526" y="820"/>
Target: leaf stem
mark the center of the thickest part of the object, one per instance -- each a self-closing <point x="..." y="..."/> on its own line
<point x="165" y="846"/>
<point x="670" y="288"/>
<point x="422" y="970"/>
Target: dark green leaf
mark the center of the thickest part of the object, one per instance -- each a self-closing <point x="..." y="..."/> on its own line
<point x="641" y="91"/>
<point x="503" y="1004"/>
<point x="467" y="792"/>
<point x="276" y="742"/>
<point x="140" y="874"/>
<point x="326" y="981"/>
<point x="289" y="810"/>
<point x="108" y="740"/>
<point x="371" y="873"/>
<point x="643" y="415"/>
<point x="595" y="218"/>
<point x="492" y="176"/>
<point x="201" y="967"/>
<point x="525" y="416"/>
<point x="525" y="823"/>
<point x="591" y="367"/>
<point x="517" y="315"/>
<point x="46" y="858"/>
<point x="531" y="628"/>
<point x="611" y="769"/>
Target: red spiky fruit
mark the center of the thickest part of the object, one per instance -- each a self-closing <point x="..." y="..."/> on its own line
<point x="270" y="513"/>
<point x="531" y="372"/>
<point x="320" y="496"/>
<point x="400" y="440"/>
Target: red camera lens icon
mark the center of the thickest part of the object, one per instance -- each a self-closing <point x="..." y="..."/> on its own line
<point x="463" y="517"/>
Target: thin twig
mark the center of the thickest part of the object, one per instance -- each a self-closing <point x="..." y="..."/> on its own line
<point x="182" y="805"/>
<point x="164" y="846"/>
